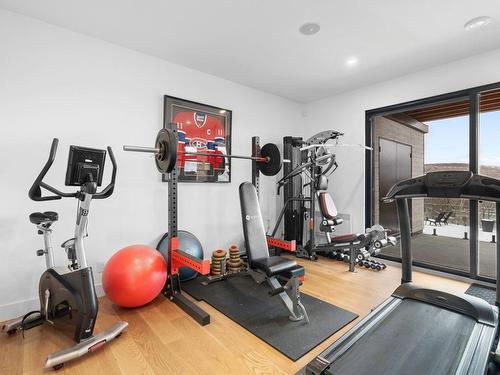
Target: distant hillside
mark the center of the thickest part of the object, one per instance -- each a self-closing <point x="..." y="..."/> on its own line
<point x="488" y="170"/>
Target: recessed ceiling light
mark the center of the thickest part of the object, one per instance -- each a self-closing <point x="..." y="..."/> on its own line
<point x="351" y="61"/>
<point x="477" y="22"/>
<point x="309" y="28"/>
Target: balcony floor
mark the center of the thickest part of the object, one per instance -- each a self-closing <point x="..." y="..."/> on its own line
<point x="451" y="252"/>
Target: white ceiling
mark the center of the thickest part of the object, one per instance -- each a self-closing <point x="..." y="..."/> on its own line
<point x="257" y="43"/>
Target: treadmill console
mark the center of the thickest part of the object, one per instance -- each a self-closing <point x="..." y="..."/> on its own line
<point x="447" y="180"/>
<point x="446" y="184"/>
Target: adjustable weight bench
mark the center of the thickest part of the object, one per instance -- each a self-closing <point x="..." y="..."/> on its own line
<point x="283" y="275"/>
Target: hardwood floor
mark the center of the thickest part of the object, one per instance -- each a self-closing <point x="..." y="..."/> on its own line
<point x="161" y="339"/>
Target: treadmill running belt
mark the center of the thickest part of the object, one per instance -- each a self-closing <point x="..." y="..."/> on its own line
<point x="415" y="338"/>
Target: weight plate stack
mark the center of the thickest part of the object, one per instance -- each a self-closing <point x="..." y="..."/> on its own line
<point x="234" y="264"/>
<point x="218" y="257"/>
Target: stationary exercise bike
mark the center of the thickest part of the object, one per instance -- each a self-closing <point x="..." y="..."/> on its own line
<point x="67" y="294"/>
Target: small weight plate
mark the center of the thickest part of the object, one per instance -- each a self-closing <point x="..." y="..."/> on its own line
<point x="218" y="258"/>
<point x="219" y="253"/>
<point x="273" y="166"/>
<point x="166" y="142"/>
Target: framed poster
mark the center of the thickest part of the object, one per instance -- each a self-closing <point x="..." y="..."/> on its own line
<point x="202" y="129"/>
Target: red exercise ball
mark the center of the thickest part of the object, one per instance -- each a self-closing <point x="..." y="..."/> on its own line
<point x="134" y="276"/>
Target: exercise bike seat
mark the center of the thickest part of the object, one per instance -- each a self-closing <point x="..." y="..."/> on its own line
<point x="43" y="217"/>
<point x="274" y="265"/>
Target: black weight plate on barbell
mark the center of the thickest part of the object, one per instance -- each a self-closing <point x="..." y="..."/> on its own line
<point x="273" y="166"/>
<point x="166" y="141"/>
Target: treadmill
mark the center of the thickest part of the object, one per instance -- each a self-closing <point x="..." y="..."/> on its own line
<point x="419" y="330"/>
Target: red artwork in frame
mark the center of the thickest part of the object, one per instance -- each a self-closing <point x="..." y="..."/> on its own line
<point x="202" y="129"/>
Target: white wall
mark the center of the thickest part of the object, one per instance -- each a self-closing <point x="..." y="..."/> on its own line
<point x="346" y="113"/>
<point x="56" y="83"/>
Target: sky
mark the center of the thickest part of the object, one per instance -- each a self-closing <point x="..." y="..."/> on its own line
<point x="448" y="140"/>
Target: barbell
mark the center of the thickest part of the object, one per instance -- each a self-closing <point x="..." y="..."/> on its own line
<point x="166" y="154"/>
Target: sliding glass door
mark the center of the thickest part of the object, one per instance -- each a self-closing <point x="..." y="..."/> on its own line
<point x="408" y="144"/>
<point x="456" y="131"/>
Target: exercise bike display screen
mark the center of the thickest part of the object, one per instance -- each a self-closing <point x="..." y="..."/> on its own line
<point x="85" y="165"/>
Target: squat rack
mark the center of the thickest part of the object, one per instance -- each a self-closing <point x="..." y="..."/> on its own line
<point x="266" y="160"/>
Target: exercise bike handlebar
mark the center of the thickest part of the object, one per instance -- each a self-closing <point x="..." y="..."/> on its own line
<point x="35" y="192"/>
<point x="108" y="190"/>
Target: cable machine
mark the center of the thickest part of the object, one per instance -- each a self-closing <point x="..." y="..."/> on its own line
<point x="305" y="185"/>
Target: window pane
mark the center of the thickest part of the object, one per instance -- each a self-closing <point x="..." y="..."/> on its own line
<point x="444" y="241"/>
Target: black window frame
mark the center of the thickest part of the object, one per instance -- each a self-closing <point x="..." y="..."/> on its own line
<point x="471" y="94"/>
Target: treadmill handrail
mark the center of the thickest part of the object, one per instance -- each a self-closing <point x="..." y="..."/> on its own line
<point x="447" y="184"/>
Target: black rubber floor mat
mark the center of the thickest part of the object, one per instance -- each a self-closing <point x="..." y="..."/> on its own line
<point x="249" y="305"/>
<point x="484" y="292"/>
